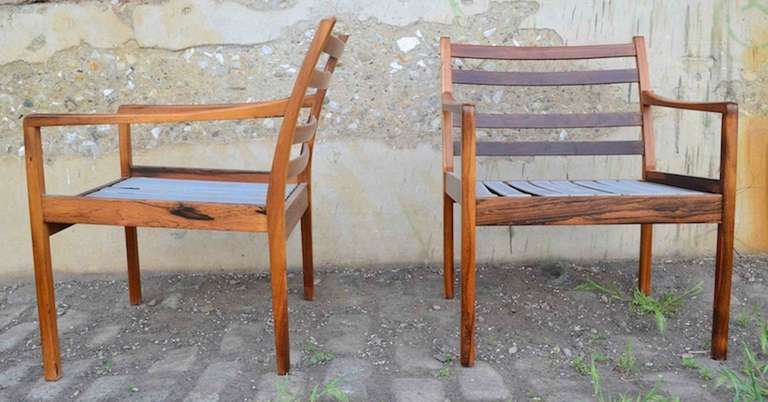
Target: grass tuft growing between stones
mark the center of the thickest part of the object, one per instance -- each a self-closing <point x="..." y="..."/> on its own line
<point x="751" y="382"/>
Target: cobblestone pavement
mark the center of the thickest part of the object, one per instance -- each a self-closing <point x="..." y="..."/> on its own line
<point x="386" y="335"/>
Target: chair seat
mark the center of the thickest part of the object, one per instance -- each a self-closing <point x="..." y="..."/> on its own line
<point x="573" y="188"/>
<point x="148" y="188"/>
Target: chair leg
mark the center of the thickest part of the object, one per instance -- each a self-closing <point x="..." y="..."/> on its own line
<point x="646" y="256"/>
<point x="277" y="261"/>
<point x="448" y="247"/>
<point x="134" y="273"/>
<point x="468" y="285"/>
<point x="46" y="300"/>
<point x="722" y="302"/>
<point x="306" y="253"/>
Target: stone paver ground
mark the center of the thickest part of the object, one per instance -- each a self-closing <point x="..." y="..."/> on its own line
<point x="384" y="336"/>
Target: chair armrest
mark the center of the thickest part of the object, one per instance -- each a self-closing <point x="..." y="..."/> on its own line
<point x="138" y="114"/>
<point x="648" y="98"/>
<point x="450" y="104"/>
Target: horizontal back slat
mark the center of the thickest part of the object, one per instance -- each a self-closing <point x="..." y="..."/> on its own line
<point x="299" y="163"/>
<point x="320" y="79"/>
<point x="533" y="148"/>
<point x="524" y="120"/>
<point x="475" y="77"/>
<point x="542" y="53"/>
<point x="305" y="132"/>
<point x="334" y="47"/>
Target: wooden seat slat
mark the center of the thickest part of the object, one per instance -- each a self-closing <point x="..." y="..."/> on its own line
<point x="482" y="191"/>
<point x="552" y="120"/>
<point x="524" y="78"/>
<point x="504" y="189"/>
<point x="552" y="148"/>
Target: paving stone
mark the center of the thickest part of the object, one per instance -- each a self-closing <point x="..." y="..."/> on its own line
<point x="482" y="383"/>
<point x="418" y="390"/>
<point x="14" y="335"/>
<point x="25" y="294"/>
<point x="172" y="301"/>
<point x="44" y="390"/>
<point x="352" y="374"/>
<point x="234" y="340"/>
<point x="13" y="375"/>
<point x="273" y="387"/>
<point x="104" y="388"/>
<point x="151" y="390"/>
<point x="104" y="335"/>
<point x="176" y="360"/>
<point x="11" y="313"/>
<point x="415" y="359"/>
<point x="71" y="320"/>
<point x="212" y="382"/>
<point x="353" y="328"/>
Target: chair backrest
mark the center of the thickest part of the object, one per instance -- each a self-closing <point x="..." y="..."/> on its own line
<point x="638" y="74"/>
<point x="292" y="132"/>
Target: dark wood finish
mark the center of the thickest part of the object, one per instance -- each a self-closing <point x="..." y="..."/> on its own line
<point x="725" y="233"/>
<point x="542" y="53"/>
<point x="491" y="148"/>
<point x="468" y="232"/>
<point x="659" y="198"/>
<point x="598" y="210"/>
<point x="682" y="181"/>
<point x="277" y="214"/>
<point x="520" y="78"/>
<point x="592" y="120"/>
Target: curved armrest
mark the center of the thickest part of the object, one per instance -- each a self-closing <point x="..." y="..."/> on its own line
<point x="139" y="114"/>
<point x="649" y="98"/>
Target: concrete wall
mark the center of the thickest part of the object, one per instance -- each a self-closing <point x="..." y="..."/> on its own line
<point x="378" y="172"/>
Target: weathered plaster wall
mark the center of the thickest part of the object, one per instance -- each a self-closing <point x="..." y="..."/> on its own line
<point x="377" y="165"/>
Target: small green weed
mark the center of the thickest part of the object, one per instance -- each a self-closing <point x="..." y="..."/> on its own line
<point x="445" y="371"/>
<point x="579" y="365"/>
<point x="751" y="384"/>
<point x="612" y="292"/>
<point x="318" y="356"/>
<point x="330" y="389"/>
<point x="601" y="396"/>
<point x="666" y="305"/>
<point x="746" y="317"/>
<point x="627" y="360"/>
<point x="690" y="362"/>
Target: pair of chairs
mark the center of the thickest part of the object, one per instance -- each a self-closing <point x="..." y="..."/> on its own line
<point x="275" y="201"/>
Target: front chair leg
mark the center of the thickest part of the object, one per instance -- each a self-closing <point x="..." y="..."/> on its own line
<point x="46" y="301"/>
<point x="468" y="269"/>
<point x="277" y="261"/>
<point x="722" y="300"/>
<point x="134" y="274"/>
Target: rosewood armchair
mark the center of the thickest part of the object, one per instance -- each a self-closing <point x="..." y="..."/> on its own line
<point x="213" y="199"/>
<point x="659" y="197"/>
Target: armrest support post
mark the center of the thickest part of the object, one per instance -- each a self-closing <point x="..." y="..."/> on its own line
<point x="468" y="155"/>
<point x="126" y="153"/>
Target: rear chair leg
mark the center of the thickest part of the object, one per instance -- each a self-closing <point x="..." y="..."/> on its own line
<point x="646" y="256"/>
<point x="448" y="247"/>
<point x="722" y="302"/>
<point x="468" y="269"/>
<point x="134" y="274"/>
<point x="277" y="261"/>
<point x="46" y="300"/>
<point x="306" y="252"/>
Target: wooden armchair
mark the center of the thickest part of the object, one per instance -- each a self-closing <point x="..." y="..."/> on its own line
<point x="658" y="198"/>
<point x="213" y="199"/>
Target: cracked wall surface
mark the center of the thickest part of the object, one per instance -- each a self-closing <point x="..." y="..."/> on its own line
<point x="377" y="172"/>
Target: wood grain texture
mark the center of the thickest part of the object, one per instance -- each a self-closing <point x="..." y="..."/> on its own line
<point x="598" y="210"/>
<point x="647" y="130"/>
<point x="132" y="257"/>
<point x="646" y="257"/>
<point x="468" y="236"/>
<point x="683" y="181"/>
<point x="541" y="53"/>
<point x="593" y="120"/>
<point x="725" y="234"/>
<point x="225" y="175"/>
<point x="542" y="148"/>
<point x="41" y="254"/>
<point x="560" y="78"/>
